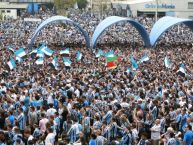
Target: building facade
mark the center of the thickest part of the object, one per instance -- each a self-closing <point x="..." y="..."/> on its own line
<point x="28" y="1"/>
<point x="11" y="10"/>
<point x="176" y="8"/>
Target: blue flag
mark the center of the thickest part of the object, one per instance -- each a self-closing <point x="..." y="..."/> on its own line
<point x="40" y="53"/>
<point x="144" y="58"/>
<point x="67" y="61"/>
<point x="66" y="51"/>
<point x="55" y="62"/>
<point x="110" y="54"/>
<point x="34" y="51"/>
<point x="20" y="52"/>
<point x="11" y="63"/>
<point x="39" y="61"/>
<point x="10" y="48"/>
<point x="47" y="51"/>
<point x="182" y="68"/>
<point x="168" y="63"/>
<point x="128" y="70"/>
<point x="99" y="53"/>
<point x="133" y="62"/>
<point x="19" y="59"/>
<point x="78" y="55"/>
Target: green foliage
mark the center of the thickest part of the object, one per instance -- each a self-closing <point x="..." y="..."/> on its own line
<point x="82" y="4"/>
<point x="62" y="5"/>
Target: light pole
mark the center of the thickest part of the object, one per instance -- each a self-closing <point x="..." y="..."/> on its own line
<point x="32" y="7"/>
<point x="91" y="2"/>
<point x="156" y="12"/>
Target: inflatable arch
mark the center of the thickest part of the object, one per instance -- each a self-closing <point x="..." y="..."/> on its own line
<point x="114" y="20"/>
<point x="62" y="20"/>
<point x="165" y="23"/>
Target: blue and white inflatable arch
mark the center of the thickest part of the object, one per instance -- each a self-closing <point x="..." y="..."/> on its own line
<point x="106" y="23"/>
<point x="165" y="23"/>
<point x="60" y="19"/>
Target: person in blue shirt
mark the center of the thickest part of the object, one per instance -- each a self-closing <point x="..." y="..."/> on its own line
<point x="25" y="109"/>
<point x="93" y="140"/>
<point x="183" y="118"/>
<point x="178" y="119"/>
<point x="188" y="136"/>
<point x="188" y="122"/>
<point x="21" y="120"/>
<point x="171" y="140"/>
<point x="11" y="118"/>
<point x="26" y="101"/>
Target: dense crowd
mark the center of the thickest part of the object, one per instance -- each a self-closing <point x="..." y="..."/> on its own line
<point x="88" y="104"/>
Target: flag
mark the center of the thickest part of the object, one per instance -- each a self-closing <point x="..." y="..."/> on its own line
<point x="128" y="70"/>
<point x="78" y="55"/>
<point x="111" y="65"/>
<point x="110" y="54"/>
<point x="39" y="61"/>
<point x="133" y="62"/>
<point x="55" y="62"/>
<point x="99" y="53"/>
<point x="144" y="58"/>
<point x="43" y="46"/>
<point x="11" y="63"/>
<point x="19" y="59"/>
<point x="66" y="51"/>
<point x="67" y="61"/>
<point x="34" y="51"/>
<point x="182" y="69"/>
<point x="40" y="53"/>
<point x="10" y="48"/>
<point x="111" y="61"/>
<point x="167" y="62"/>
<point x="47" y="51"/>
<point x="20" y="52"/>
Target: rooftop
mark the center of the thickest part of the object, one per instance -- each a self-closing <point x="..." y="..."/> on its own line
<point x="7" y="5"/>
<point x="132" y="2"/>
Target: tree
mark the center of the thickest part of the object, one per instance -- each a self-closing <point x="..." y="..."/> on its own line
<point x="62" y="5"/>
<point x="82" y="4"/>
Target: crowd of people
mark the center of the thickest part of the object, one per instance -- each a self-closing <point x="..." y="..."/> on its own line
<point x="86" y="103"/>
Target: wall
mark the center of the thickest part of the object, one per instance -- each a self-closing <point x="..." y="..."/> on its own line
<point x="181" y="7"/>
<point x="9" y="13"/>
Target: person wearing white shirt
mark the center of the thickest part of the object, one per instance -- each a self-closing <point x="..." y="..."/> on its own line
<point x="77" y="93"/>
<point x="155" y="132"/>
<point x="51" y="111"/>
<point x="50" y="99"/>
<point x="50" y="138"/>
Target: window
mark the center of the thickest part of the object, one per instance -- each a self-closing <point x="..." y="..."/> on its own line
<point x="190" y="5"/>
<point x="191" y="17"/>
<point x="3" y="11"/>
<point x="8" y="11"/>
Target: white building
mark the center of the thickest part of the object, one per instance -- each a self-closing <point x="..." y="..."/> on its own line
<point x="176" y="8"/>
<point x="8" y="10"/>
